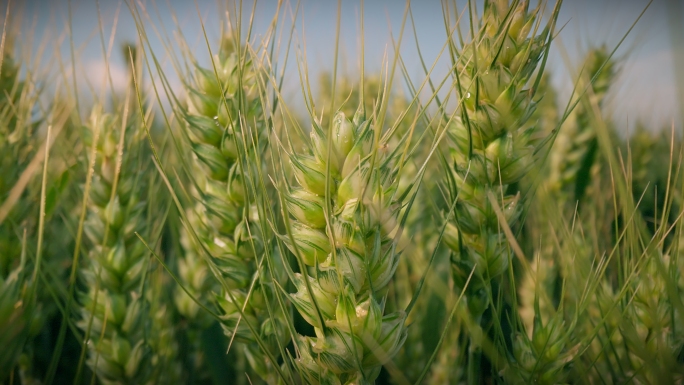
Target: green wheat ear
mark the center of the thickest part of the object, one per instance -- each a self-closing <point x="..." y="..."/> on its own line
<point x="115" y="313"/>
<point x="226" y="129"/>
<point x="493" y="146"/>
<point x="492" y="143"/>
<point x="348" y="256"/>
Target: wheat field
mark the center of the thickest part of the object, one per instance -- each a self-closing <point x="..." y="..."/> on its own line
<point x="233" y="209"/>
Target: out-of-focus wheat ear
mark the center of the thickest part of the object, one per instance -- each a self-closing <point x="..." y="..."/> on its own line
<point x="574" y="154"/>
<point x="115" y="312"/>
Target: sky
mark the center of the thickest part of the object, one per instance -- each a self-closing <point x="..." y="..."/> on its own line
<point x="645" y="91"/>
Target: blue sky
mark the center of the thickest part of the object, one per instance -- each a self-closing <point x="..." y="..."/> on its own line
<point x="645" y="91"/>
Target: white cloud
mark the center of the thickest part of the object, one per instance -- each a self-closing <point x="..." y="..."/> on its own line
<point x="98" y="73"/>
